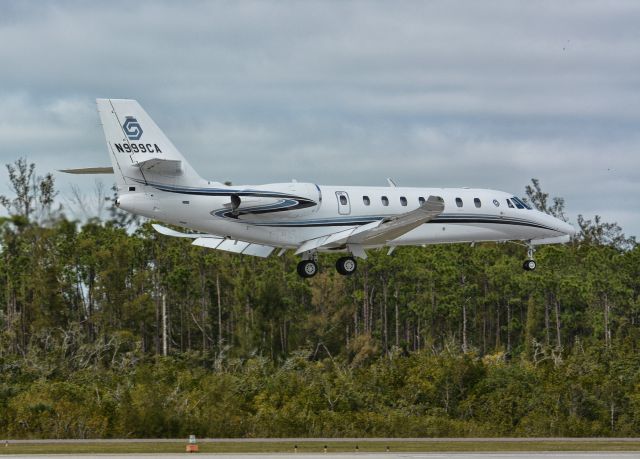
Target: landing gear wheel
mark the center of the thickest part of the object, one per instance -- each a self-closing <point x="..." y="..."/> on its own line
<point x="346" y="266"/>
<point x="307" y="268"/>
<point x="529" y="265"/>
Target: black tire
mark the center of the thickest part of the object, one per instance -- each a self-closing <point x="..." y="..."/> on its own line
<point x="307" y="268"/>
<point x="346" y="266"/>
<point x="529" y="265"/>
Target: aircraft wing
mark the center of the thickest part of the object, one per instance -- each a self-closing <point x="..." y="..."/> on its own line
<point x="212" y="241"/>
<point x="378" y="232"/>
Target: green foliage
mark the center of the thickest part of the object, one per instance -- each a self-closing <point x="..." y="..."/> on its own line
<point x="439" y="341"/>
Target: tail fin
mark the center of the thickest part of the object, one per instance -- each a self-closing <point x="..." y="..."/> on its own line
<point x="139" y="150"/>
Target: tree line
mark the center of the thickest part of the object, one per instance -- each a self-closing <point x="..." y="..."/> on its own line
<point x="108" y="329"/>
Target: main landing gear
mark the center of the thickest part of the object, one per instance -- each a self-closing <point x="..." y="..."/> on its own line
<point x="346" y="265"/>
<point x="529" y="264"/>
<point x="309" y="267"/>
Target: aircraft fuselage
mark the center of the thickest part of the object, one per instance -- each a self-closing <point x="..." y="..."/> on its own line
<point x="287" y="214"/>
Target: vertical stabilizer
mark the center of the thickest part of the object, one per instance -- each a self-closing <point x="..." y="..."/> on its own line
<point x="139" y="150"/>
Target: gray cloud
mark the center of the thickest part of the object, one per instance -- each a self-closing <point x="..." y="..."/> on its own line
<point x="484" y="94"/>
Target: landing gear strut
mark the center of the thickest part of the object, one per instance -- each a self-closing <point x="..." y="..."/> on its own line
<point x="529" y="264"/>
<point x="346" y="266"/>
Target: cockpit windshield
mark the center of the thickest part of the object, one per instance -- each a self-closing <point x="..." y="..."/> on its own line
<point x="520" y="204"/>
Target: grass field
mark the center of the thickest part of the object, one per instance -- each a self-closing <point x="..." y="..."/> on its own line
<point x="316" y="447"/>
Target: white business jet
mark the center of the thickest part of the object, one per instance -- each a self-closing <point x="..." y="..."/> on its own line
<point x="154" y="180"/>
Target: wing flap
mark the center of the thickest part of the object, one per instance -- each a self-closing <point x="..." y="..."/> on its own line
<point x="211" y="241"/>
<point x="208" y="242"/>
<point x="258" y="250"/>
<point x="231" y="245"/>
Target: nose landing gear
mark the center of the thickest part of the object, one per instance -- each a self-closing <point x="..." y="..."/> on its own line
<point x="529" y="264"/>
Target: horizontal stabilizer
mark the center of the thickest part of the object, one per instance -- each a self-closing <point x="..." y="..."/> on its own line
<point x="161" y="166"/>
<point x="88" y="170"/>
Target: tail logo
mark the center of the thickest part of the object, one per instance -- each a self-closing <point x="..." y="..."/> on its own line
<point x="132" y="128"/>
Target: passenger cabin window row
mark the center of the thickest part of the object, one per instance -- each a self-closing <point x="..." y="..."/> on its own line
<point x="385" y="200"/>
<point x="512" y="202"/>
<point x="476" y="202"/>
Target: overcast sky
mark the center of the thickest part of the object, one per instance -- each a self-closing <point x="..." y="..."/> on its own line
<point x="467" y="93"/>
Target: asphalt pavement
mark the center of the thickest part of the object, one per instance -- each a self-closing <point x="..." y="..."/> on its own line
<point x="520" y="455"/>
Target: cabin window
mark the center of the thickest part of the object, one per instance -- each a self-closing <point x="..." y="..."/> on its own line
<point x="366" y="200"/>
<point x="459" y="202"/>
<point x="509" y="204"/>
<point x="477" y="202"/>
<point x="343" y="200"/>
<point x="132" y="188"/>
<point x="421" y="200"/>
<point x="385" y="201"/>
<point x="185" y="202"/>
<point x="496" y="203"/>
<point x="403" y="201"/>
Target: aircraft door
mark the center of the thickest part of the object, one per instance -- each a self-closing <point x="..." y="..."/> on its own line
<point x="344" y="206"/>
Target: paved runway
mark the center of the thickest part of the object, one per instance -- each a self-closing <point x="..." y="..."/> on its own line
<point x="523" y="455"/>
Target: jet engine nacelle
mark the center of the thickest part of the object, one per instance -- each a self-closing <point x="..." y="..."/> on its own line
<point x="266" y="201"/>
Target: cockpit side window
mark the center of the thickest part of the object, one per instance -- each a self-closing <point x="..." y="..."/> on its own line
<point x="511" y="206"/>
<point x="518" y="203"/>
